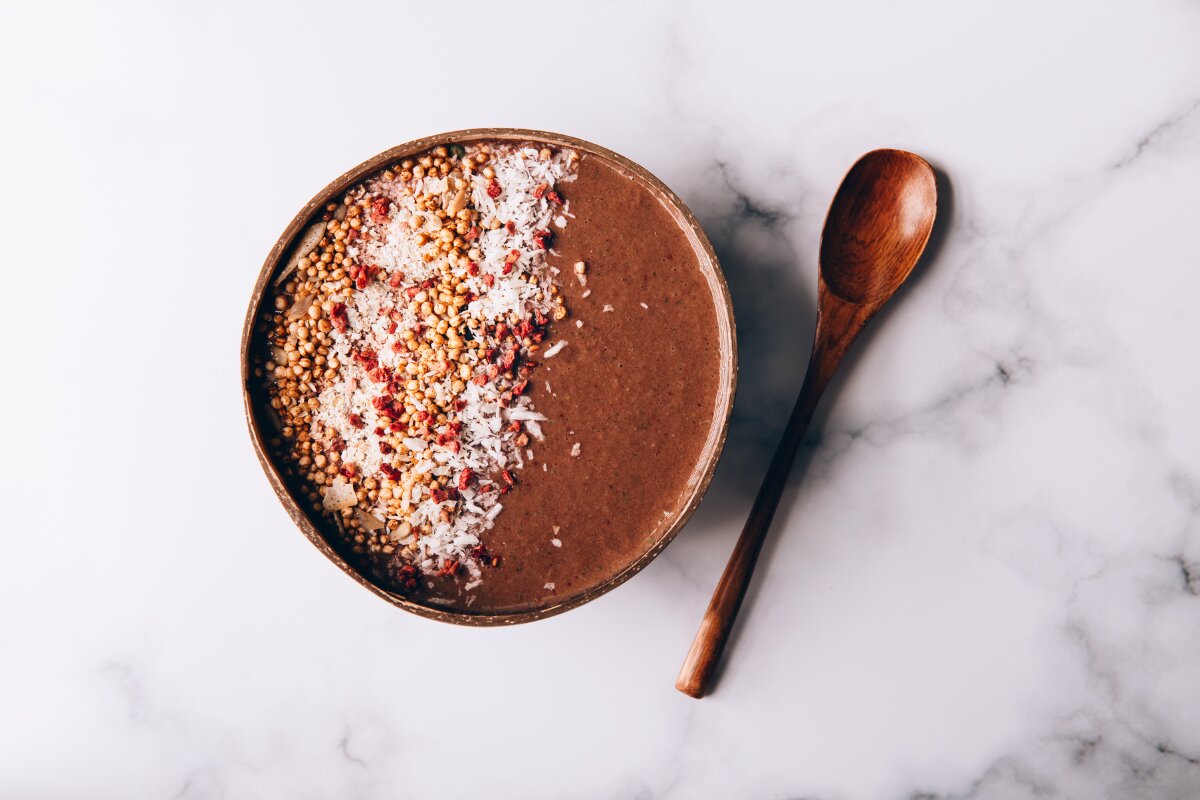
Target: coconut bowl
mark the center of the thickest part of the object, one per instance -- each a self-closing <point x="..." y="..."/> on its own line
<point x="321" y="534"/>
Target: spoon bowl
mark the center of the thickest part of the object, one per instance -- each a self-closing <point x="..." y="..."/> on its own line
<point x="878" y="225"/>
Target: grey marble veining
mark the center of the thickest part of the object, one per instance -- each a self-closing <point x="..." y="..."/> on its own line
<point x="984" y="581"/>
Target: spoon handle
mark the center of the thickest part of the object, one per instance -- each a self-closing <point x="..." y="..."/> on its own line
<point x="838" y="323"/>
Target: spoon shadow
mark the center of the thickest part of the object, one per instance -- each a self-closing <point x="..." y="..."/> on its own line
<point x="932" y="253"/>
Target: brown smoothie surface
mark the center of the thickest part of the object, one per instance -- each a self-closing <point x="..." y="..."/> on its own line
<point x="635" y="387"/>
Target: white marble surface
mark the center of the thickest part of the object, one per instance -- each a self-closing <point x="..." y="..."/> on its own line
<point x="985" y="581"/>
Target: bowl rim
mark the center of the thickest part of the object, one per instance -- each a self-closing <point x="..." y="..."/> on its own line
<point x="726" y="389"/>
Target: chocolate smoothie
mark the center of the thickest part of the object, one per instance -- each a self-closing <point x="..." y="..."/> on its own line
<point x="607" y="390"/>
<point x="635" y="387"/>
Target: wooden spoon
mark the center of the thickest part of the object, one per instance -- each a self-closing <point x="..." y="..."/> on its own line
<point x="876" y="230"/>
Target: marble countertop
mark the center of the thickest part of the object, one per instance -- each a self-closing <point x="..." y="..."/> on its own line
<point x="985" y="575"/>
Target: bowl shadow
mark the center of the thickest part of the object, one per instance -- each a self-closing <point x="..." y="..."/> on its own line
<point x="774" y="310"/>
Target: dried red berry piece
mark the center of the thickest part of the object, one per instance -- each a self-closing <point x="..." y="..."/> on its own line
<point x="484" y="556"/>
<point x="511" y="259"/>
<point x="493" y="189"/>
<point x="367" y="357"/>
<point x="380" y="207"/>
<point x="407" y="575"/>
<point x="337" y="315"/>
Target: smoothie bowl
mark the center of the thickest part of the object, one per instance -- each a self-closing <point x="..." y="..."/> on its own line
<point x="489" y="373"/>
